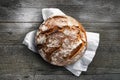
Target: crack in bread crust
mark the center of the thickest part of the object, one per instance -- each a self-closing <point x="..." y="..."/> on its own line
<point x="61" y="40"/>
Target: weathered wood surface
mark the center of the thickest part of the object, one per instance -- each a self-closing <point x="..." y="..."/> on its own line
<point x="17" y="17"/>
<point x="60" y="77"/>
<point x="84" y="10"/>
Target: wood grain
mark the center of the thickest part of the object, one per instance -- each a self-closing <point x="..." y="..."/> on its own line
<point x="84" y="10"/>
<point x="18" y="59"/>
<point x="15" y="32"/>
<point x="60" y="77"/>
<point x="82" y="77"/>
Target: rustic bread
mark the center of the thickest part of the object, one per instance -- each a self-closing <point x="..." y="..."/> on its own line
<point x="61" y="40"/>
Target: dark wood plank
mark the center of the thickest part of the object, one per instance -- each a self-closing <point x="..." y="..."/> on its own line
<point x="84" y="10"/>
<point x="61" y="77"/>
<point x="82" y="77"/>
<point x="15" y="32"/>
<point x="20" y="15"/>
<point x="18" y="59"/>
<point x="38" y="3"/>
<point x="17" y="77"/>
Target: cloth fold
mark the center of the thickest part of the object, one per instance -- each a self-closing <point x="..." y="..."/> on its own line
<point x="92" y="41"/>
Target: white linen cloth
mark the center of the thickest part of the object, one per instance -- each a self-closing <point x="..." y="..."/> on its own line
<point x="82" y="63"/>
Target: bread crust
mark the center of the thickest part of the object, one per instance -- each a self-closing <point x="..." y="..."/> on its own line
<point x="61" y="40"/>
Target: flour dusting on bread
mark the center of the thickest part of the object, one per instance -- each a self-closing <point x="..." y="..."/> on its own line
<point x="61" y="40"/>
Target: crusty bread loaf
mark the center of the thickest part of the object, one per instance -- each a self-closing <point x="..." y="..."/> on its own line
<point x="61" y="40"/>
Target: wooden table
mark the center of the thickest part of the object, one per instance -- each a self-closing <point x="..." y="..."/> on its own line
<point x="17" y="17"/>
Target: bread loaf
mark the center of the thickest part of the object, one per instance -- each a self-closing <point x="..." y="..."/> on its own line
<point x="61" y="40"/>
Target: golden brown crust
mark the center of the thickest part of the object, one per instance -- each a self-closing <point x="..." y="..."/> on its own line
<point x="61" y="40"/>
